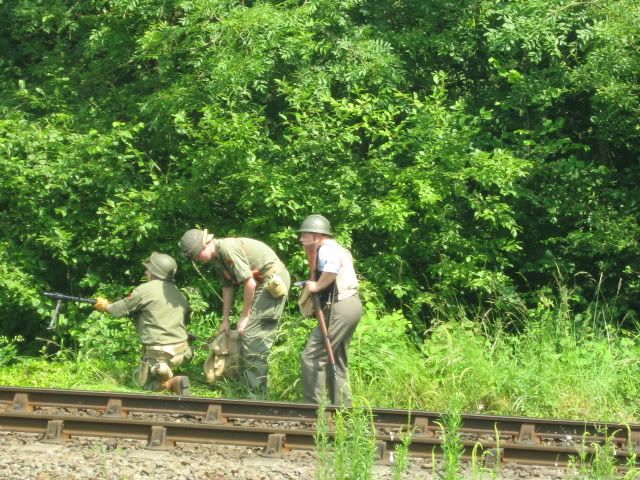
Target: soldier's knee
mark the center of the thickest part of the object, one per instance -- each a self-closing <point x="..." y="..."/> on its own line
<point x="181" y="357"/>
<point x="306" y="358"/>
<point x="177" y="360"/>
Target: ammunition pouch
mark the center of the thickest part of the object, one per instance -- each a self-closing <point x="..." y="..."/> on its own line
<point x="275" y="286"/>
<point x="273" y="282"/>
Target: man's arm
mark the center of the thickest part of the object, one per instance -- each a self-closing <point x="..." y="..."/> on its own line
<point x="326" y="278"/>
<point x="227" y="299"/>
<point x="249" y="294"/>
<point x="120" y="308"/>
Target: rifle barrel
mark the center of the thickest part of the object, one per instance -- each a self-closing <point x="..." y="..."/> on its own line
<point x="69" y="298"/>
<point x="312" y="258"/>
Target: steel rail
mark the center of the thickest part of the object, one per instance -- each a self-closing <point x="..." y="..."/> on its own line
<point x="159" y="435"/>
<point x="219" y="410"/>
<point x="553" y="441"/>
<point x="274" y="441"/>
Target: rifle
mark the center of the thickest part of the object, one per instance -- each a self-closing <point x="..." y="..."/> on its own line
<point x="59" y="298"/>
<point x="312" y="257"/>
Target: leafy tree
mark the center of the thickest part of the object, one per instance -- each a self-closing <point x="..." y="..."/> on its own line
<point x="467" y="151"/>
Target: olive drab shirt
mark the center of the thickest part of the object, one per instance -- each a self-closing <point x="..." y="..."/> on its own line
<point x="161" y="311"/>
<point x="238" y="258"/>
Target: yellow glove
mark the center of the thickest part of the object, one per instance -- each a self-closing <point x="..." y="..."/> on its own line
<point x="101" y="304"/>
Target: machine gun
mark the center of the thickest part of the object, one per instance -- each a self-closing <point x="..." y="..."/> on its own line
<point x="59" y="298"/>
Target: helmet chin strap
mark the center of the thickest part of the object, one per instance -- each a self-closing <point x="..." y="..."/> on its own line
<point x="206" y="237"/>
<point x="207" y="283"/>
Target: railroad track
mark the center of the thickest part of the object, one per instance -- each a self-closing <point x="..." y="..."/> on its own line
<point x="277" y="427"/>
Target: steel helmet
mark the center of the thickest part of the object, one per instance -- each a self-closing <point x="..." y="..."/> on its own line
<point x="194" y="240"/>
<point x="161" y="265"/>
<point x="316" y="224"/>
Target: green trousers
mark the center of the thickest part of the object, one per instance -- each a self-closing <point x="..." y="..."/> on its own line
<point x="260" y="334"/>
<point x="316" y="371"/>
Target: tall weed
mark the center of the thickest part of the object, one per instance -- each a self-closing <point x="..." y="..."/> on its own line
<point x="354" y="445"/>
<point x="452" y="446"/>
<point x="322" y="442"/>
<point x="601" y="463"/>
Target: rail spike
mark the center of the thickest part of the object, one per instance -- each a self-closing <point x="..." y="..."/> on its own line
<point x="54" y="433"/>
<point x="21" y="403"/>
<point x="527" y="435"/>
<point x="114" y="408"/>
<point x="158" y="439"/>
<point x="275" y="445"/>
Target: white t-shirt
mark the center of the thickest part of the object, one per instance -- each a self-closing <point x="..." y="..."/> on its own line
<point x="332" y="258"/>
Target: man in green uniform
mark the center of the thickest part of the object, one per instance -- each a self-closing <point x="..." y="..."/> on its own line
<point x="265" y="280"/>
<point x="161" y="311"/>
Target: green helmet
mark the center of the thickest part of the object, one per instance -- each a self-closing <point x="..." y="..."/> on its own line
<point x="193" y="241"/>
<point x="316" y="224"/>
<point x="161" y="265"/>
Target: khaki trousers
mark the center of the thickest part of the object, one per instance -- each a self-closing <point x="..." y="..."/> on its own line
<point x="260" y="334"/>
<point x="158" y="362"/>
<point x="316" y="371"/>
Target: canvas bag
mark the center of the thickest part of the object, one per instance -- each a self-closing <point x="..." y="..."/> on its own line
<point x="305" y="303"/>
<point x="224" y="357"/>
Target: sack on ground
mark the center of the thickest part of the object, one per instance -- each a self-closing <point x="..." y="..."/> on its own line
<point x="224" y="357"/>
<point x="305" y="303"/>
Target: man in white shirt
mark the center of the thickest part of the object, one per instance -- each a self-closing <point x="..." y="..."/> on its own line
<point x="337" y="288"/>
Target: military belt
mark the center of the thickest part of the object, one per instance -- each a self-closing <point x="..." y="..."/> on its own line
<point x="259" y="276"/>
<point x="161" y="348"/>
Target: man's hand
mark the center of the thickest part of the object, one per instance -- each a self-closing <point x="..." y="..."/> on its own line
<point x="311" y="286"/>
<point x="101" y="304"/>
<point x="242" y="324"/>
<point x="225" y="327"/>
<point x="326" y="279"/>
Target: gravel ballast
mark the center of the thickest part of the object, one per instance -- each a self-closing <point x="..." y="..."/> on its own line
<point x="23" y="456"/>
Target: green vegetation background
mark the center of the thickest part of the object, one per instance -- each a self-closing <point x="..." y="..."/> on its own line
<point x="481" y="159"/>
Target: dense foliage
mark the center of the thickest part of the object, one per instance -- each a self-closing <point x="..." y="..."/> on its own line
<point x="470" y="152"/>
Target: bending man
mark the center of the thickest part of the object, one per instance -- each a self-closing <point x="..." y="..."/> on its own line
<point x="162" y="312"/>
<point x="265" y="281"/>
<point x="337" y="286"/>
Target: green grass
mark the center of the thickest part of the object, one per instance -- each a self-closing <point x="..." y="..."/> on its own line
<point x="545" y="362"/>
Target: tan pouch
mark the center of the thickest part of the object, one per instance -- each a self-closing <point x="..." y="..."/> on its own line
<point x="224" y="357"/>
<point x="276" y="287"/>
<point x="305" y="303"/>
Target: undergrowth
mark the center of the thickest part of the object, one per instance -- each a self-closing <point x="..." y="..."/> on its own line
<point x="546" y="362"/>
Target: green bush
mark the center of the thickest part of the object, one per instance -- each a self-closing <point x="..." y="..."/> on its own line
<point x="449" y="144"/>
<point x="9" y="349"/>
